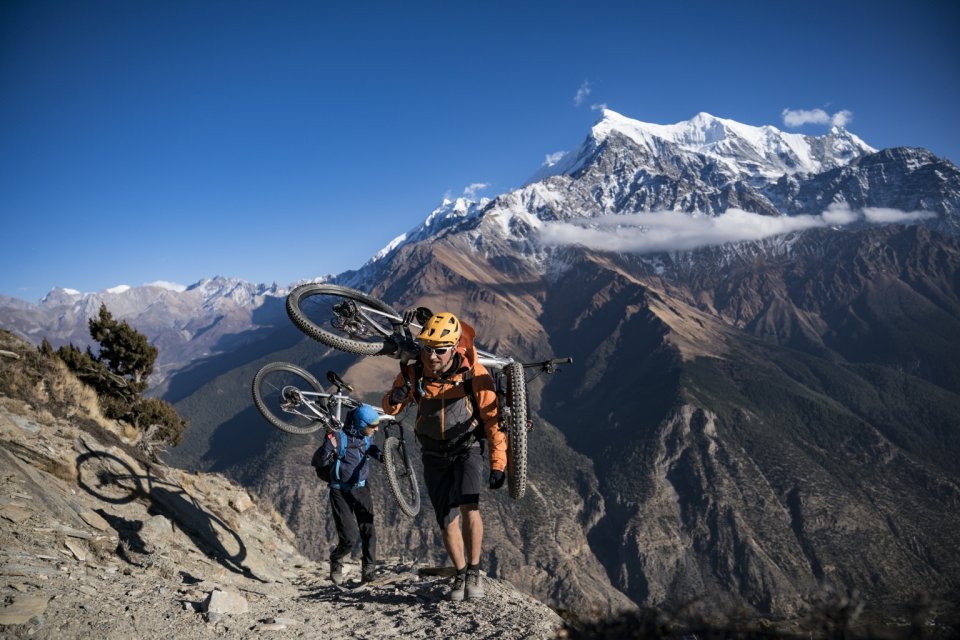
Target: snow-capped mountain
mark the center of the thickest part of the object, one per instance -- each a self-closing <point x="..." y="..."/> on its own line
<point x="448" y="214"/>
<point x="707" y="167"/>
<point x="759" y="153"/>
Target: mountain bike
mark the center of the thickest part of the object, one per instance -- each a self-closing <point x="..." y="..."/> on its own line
<point x="292" y="400"/>
<point x="354" y="322"/>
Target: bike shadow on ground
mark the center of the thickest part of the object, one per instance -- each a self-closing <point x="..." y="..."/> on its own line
<point x="112" y="480"/>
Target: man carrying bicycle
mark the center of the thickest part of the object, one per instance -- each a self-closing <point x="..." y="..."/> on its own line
<point x="457" y="418"/>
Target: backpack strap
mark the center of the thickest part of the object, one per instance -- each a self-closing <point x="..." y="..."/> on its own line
<point x="468" y="387"/>
<point x="341" y="452"/>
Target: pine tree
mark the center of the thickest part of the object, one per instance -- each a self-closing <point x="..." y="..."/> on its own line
<point x="119" y="373"/>
<point x="125" y="351"/>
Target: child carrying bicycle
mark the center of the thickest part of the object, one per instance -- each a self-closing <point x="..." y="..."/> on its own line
<point x="342" y="462"/>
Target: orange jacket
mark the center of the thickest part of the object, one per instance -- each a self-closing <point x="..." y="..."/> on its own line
<point x="445" y="411"/>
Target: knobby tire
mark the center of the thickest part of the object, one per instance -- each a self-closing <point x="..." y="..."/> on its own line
<point x="401" y="478"/>
<point x="296" y="299"/>
<point x="265" y="395"/>
<point x="516" y="430"/>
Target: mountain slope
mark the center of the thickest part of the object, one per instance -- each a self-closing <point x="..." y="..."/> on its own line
<point x="754" y="470"/>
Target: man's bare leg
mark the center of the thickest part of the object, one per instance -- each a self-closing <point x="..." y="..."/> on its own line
<point x="453" y="542"/>
<point x="472" y="538"/>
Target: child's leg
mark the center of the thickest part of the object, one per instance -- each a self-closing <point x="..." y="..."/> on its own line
<point x="346" y="526"/>
<point x="362" y="504"/>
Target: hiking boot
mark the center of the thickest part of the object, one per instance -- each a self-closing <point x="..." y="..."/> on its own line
<point x="336" y="571"/>
<point x="457" y="587"/>
<point x="368" y="572"/>
<point x="474" y="586"/>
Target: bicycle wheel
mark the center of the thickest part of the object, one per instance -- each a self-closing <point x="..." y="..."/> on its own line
<point x="276" y="395"/>
<point x="516" y="402"/>
<point x="402" y="480"/>
<point x="343" y="318"/>
<point x="108" y="477"/>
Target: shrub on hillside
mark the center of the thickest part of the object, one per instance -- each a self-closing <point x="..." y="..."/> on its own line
<point x="119" y="373"/>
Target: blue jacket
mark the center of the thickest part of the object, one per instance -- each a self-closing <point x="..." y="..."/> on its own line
<point x="352" y="469"/>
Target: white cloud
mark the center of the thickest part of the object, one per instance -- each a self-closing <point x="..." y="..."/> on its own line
<point x="839" y="215"/>
<point x="800" y="117"/>
<point x="472" y="190"/>
<point x="598" y="107"/>
<point x="553" y="158"/>
<point x="877" y="215"/>
<point x="841" y="118"/>
<point x="676" y="231"/>
<point x="582" y="93"/>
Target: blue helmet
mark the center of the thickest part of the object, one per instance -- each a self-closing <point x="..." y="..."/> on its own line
<point x="364" y="416"/>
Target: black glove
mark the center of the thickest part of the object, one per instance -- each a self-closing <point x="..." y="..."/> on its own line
<point x="497" y="478"/>
<point x="374" y="452"/>
<point x="399" y="394"/>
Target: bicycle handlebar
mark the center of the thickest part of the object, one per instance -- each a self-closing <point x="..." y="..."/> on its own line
<point x="548" y="363"/>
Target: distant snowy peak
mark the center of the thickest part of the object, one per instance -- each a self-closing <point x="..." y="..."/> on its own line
<point x="212" y="292"/>
<point x="209" y="292"/>
<point x="120" y="288"/>
<point x="449" y="213"/>
<point x="169" y="286"/>
<point x="763" y="153"/>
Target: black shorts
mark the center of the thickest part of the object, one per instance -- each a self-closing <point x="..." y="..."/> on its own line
<point x="453" y="481"/>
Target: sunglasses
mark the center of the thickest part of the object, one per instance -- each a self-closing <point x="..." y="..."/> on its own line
<point x="440" y="351"/>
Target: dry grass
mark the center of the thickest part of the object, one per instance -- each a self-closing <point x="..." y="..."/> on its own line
<point x="47" y="386"/>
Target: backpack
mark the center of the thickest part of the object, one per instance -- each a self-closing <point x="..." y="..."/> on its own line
<point x="328" y="466"/>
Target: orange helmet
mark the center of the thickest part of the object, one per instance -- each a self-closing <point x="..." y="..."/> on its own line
<point x="441" y="330"/>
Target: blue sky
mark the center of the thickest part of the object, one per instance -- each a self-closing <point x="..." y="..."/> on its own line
<point x="275" y="141"/>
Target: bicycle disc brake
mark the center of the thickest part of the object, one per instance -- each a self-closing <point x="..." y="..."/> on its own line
<point x="290" y="398"/>
<point x="347" y="318"/>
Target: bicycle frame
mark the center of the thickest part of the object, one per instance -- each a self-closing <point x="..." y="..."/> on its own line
<point x="313" y="401"/>
<point x="401" y="334"/>
<point x="337" y="403"/>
